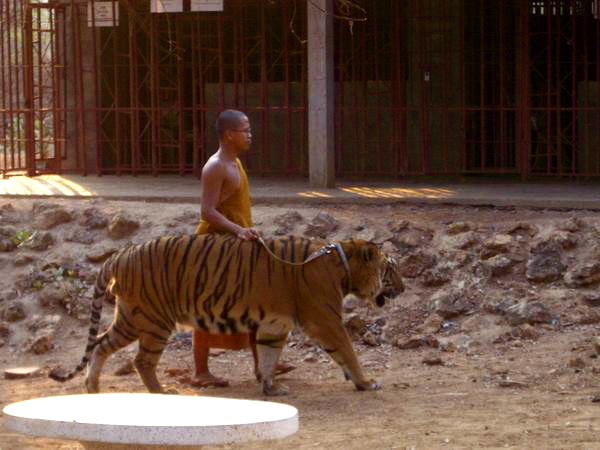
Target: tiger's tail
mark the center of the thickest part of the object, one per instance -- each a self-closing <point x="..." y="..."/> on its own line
<point x="101" y="292"/>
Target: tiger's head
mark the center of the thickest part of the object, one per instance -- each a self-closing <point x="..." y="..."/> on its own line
<point x="374" y="276"/>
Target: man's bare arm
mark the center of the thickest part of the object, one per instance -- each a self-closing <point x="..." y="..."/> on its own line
<point x="213" y="177"/>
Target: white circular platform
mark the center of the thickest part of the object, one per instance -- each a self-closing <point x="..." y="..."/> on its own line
<point x="151" y="419"/>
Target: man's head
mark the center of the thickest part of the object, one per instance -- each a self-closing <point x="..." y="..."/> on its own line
<point x="233" y="129"/>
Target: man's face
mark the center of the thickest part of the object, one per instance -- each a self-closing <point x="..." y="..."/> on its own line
<point x="241" y="136"/>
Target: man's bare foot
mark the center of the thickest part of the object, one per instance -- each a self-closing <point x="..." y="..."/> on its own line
<point x="208" y="380"/>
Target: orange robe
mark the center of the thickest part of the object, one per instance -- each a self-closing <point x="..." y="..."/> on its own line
<point x="237" y="209"/>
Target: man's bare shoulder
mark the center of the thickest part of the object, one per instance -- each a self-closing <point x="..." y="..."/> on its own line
<point x="215" y="166"/>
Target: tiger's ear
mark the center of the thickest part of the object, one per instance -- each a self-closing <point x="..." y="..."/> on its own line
<point x="368" y="253"/>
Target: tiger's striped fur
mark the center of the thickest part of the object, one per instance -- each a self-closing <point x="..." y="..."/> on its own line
<point x="221" y="284"/>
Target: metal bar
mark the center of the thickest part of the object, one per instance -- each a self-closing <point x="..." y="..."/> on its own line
<point x="29" y="101"/>
<point x="264" y="102"/>
<point x="196" y="142"/>
<point x="286" y="100"/>
<point x="463" y="116"/>
<point x="482" y="140"/>
<point x="4" y="89"/>
<point x="180" y="84"/>
<point x="154" y="96"/>
<point x="80" y="91"/>
<point x="574" y="146"/>
<point x="14" y="121"/>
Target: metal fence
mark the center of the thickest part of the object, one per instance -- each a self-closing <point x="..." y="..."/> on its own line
<point x="423" y="87"/>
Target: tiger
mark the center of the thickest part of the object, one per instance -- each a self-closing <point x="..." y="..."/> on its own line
<point x="222" y="284"/>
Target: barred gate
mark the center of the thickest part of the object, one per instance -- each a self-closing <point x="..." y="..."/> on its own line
<point x="423" y="87"/>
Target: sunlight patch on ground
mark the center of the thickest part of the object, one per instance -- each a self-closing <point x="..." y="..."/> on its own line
<point x="43" y="185"/>
<point x="399" y="192"/>
<point x="313" y="194"/>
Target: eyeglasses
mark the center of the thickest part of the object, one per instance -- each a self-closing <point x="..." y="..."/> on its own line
<point x="247" y="131"/>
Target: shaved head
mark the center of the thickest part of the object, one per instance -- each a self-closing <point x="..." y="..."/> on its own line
<point x="230" y="119"/>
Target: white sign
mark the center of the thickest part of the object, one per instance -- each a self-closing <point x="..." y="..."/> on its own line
<point x="102" y="14"/>
<point x="206" y="5"/>
<point x="166" y="6"/>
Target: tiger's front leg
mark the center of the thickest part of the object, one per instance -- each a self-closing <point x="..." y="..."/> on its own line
<point x="269" y="348"/>
<point x="335" y="341"/>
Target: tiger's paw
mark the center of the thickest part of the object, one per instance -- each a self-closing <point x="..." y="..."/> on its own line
<point x="368" y="385"/>
<point x="272" y="388"/>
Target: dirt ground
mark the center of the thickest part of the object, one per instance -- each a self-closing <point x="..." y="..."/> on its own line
<point x="454" y="376"/>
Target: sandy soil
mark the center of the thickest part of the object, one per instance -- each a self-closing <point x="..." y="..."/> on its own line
<point x="483" y="391"/>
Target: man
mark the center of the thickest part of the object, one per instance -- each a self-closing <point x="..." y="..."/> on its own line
<point x="226" y="208"/>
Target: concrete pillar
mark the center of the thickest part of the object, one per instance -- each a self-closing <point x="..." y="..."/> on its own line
<point x="321" y="155"/>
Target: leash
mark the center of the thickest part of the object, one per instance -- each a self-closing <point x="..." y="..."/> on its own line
<point x="327" y="249"/>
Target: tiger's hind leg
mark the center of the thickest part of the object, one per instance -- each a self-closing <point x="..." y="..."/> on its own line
<point x="119" y="335"/>
<point x="269" y="348"/>
<point x="151" y="347"/>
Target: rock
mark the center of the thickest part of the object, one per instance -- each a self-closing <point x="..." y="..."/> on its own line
<point x="501" y="305"/>
<point x="50" y="218"/>
<point x="499" y="244"/>
<point x="526" y="332"/>
<point x="80" y="237"/>
<point x="371" y="339"/>
<point x="529" y="312"/>
<point x="434" y="277"/>
<point x="572" y="224"/>
<point x="592" y="298"/>
<point x="596" y="344"/>
<point x="100" y="254"/>
<point x="368" y="234"/>
<point x="52" y="294"/>
<point x="7" y="245"/>
<point x="310" y="358"/>
<point x="524" y="229"/>
<point x="577" y="363"/>
<point x="433" y="360"/>
<point x="39" y="207"/>
<point x="410" y="342"/>
<point x="462" y="241"/>
<point x="18" y="373"/>
<point x="321" y="226"/>
<point x="287" y="222"/>
<point x="5" y="330"/>
<point x="512" y="384"/>
<point x="452" y="302"/>
<point x="126" y="368"/>
<point x="39" y="241"/>
<point x="545" y="262"/>
<point x="14" y="312"/>
<point x="457" y="228"/>
<point x="583" y="274"/>
<point x="41" y="344"/>
<point x="411" y="266"/>
<point x="410" y="239"/>
<point x="433" y="323"/>
<point x="565" y="239"/>
<point x="417" y="341"/>
<point x="398" y="227"/>
<point x="586" y="317"/>
<point x="499" y="265"/>
<point x="47" y="323"/>
<point x="92" y="219"/>
<point x="121" y="227"/>
<point x="22" y="260"/>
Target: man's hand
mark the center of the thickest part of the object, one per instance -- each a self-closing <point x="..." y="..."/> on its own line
<point x="248" y="234"/>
